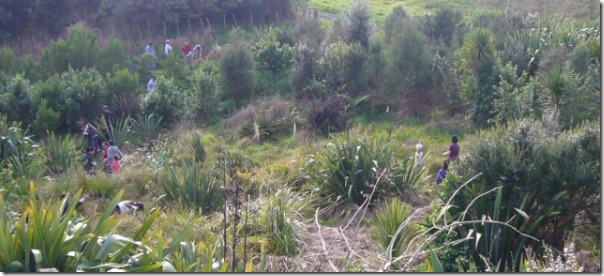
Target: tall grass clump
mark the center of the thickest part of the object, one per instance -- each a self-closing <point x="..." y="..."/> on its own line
<point x="192" y="186"/>
<point x="148" y="126"/>
<point x="99" y="185"/>
<point x="386" y="223"/>
<point x="121" y="131"/>
<point x="60" y="152"/>
<point x="281" y="218"/>
<point x="349" y="169"/>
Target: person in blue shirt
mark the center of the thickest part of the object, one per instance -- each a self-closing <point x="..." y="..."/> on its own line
<point x="442" y="173"/>
<point x="151" y="84"/>
<point x="149" y="49"/>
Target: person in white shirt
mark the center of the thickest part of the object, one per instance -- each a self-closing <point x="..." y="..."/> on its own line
<point x="167" y="48"/>
<point x="419" y="154"/>
<point x="128" y="206"/>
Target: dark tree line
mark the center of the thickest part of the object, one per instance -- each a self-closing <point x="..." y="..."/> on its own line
<point x="52" y="17"/>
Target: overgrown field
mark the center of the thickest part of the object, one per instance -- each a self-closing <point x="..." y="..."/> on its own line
<point x="290" y="145"/>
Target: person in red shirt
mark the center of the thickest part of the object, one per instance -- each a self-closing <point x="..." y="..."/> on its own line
<point x="186" y="50"/>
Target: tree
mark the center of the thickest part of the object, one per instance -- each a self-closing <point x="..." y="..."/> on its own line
<point x="356" y="24"/>
<point x="235" y="67"/>
<point x="78" y="51"/>
<point x="478" y="61"/>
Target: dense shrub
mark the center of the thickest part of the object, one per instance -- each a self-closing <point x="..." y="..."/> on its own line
<point x="356" y="24"/>
<point x="61" y="153"/>
<point x="350" y="169"/>
<point x="123" y="90"/>
<point x="9" y="62"/>
<point x="112" y="57"/>
<point x="83" y="94"/>
<point x="207" y="102"/>
<point x="304" y="69"/>
<point x="273" y="60"/>
<point x="342" y="69"/>
<point x="46" y="119"/>
<point x="192" y="186"/>
<point x="386" y="222"/>
<point x="328" y="114"/>
<point x="166" y="100"/>
<point x="80" y="50"/>
<point x="16" y="98"/>
<point x="235" y="67"/>
<point x="407" y="61"/>
<point x="544" y="177"/>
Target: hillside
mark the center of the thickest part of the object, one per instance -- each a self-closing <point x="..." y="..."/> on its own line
<point x="441" y="139"/>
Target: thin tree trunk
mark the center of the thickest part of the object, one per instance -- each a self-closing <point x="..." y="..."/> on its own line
<point x="165" y="32"/>
<point x="234" y="20"/>
<point x="191" y="30"/>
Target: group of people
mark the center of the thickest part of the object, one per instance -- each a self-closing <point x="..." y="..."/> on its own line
<point x="195" y="53"/>
<point x="191" y="56"/>
<point x="111" y="154"/>
<point x="452" y="153"/>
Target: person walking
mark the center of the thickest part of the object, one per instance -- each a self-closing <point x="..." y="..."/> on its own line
<point x="453" y="150"/>
<point x="149" y="49"/>
<point x="442" y="173"/>
<point x="151" y="84"/>
<point x="167" y="49"/>
<point x="419" y="154"/>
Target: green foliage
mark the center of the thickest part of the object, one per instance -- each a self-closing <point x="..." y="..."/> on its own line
<point x="193" y="186"/>
<point x="273" y="59"/>
<point x="166" y="100"/>
<point x="235" y="67"/>
<point x="16" y="98"/>
<point x="9" y="63"/>
<point x="351" y="169"/>
<point x="121" y="84"/>
<point x="112" y="57"/>
<point x="356" y="24"/>
<point x="515" y="98"/>
<point x="407" y="61"/>
<point x="100" y="185"/>
<point x="61" y="153"/>
<point x="479" y="61"/>
<point x="121" y="131"/>
<point x="20" y="158"/>
<point x="388" y="219"/>
<point x="281" y="218"/>
<point x="148" y="126"/>
<point x="443" y="24"/>
<point x="328" y="115"/>
<point x="79" y="51"/>
<point x="342" y="69"/>
<point x="46" y="119"/>
<point x="540" y="186"/>
<point x="208" y="95"/>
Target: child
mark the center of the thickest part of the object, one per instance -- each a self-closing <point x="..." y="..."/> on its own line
<point x="442" y="173"/>
<point x="87" y="158"/>
<point x="128" y="206"/>
<point x="115" y="165"/>
<point x="419" y="154"/>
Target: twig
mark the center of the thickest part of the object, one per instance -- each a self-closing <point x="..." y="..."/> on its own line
<point x="325" y="252"/>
